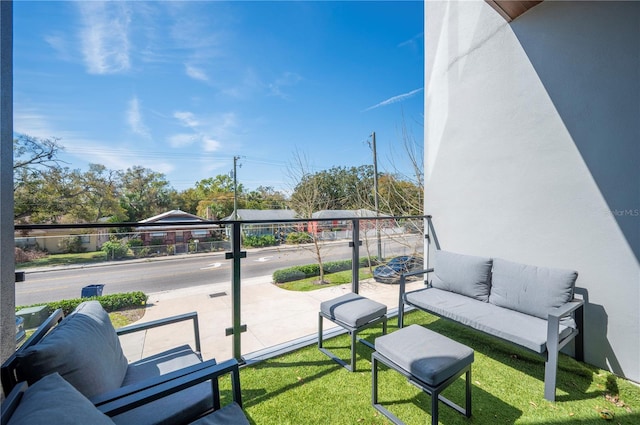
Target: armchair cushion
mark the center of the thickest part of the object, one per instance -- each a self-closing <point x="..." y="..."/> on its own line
<point x="52" y="400"/>
<point x="160" y="364"/>
<point x="530" y="289"/>
<point x="463" y="274"/>
<point x="230" y="414"/>
<point x="84" y="349"/>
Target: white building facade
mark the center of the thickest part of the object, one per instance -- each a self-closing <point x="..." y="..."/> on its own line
<point x="532" y="149"/>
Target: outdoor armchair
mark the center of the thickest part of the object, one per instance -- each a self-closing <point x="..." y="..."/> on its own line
<point x="53" y="400"/>
<point x="85" y="350"/>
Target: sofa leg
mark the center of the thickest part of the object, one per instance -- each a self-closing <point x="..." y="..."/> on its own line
<point x="550" y="372"/>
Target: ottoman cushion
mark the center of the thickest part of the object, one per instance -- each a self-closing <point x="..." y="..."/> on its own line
<point x="428" y="356"/>
<point x="353" y="309"/>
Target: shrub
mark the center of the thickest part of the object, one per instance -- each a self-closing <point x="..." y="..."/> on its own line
<point x="72" y="245"/>
<point x="156" y="241"/>
<point x="299" y="237"/>
<point x="24" y="256"/>
<point x="259" y="241"/>
<point x="112" y="302"/>
<point x="309" y="270"/>
<point x="287" y="275"/>
<point x="115" y="249"/>
<point x="135" y="242"/>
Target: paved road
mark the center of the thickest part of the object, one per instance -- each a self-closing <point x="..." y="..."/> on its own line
<point x="169" y="272"/>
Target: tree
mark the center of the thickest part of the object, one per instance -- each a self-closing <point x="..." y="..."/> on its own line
<point x="399" y="197"/>
<point x="37" y="174"/>
<point x="187" y="200"/>
<point x="412" y="197"/>
<point x="339" y="188"/>
<point x="97" y="194"/>
<point x="43" y="196"/>
<point x="264" y="198"/>
<point x="216" y="194"/>
<point x="145" y="193"/>
<point x="308" y="196"/>
<point x="401" y="190"/>
<point x="33" y="156"/>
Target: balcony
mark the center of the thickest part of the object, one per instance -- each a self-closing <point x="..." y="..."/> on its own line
<point x="273" y="331"/>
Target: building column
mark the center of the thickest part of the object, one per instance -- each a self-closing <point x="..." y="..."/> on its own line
<point x="7" y="254"/>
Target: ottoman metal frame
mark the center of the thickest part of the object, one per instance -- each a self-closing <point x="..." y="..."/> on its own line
<point x="353" y="332"/>
<point x="429" y="361"/>
<point x="433" y="391"/>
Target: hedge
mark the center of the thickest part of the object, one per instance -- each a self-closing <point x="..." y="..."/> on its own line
<point x="112" y="302"/>
<point x="309" y="270"/>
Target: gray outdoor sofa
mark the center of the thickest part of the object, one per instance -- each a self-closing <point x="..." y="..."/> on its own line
<point x="532" y="307"/>
<point x="85" y="350"/>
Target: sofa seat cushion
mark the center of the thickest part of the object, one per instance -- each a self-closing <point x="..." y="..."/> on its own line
<point x="180" y="407"/>
<point x="160" y="364"/>
<point x="230" y="414"/>
<point x="52" y="400"/>
<point x="513" y="326"/>
<point x="353" y="309"/>
<point x="530" y="289"/>
<point x="463" y="274"/>
<point x="84" y="349"/>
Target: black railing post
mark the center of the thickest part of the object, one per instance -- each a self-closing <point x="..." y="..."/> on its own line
<point x="236" y="254"/>
<point x="355" y="256"/>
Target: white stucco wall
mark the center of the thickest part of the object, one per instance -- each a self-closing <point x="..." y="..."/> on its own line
<point x="532" y="146"/>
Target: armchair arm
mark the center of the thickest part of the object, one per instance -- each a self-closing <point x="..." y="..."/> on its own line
<point x="401" y="291"/>
<point x="10" y="403"/>
<point x="210" y="372"/>
<point x="404" y="276"/>
<point x="128" y="390"/>
<point x="553" y="324"/>
<point x="166" y="321"/>
<point x="566" y="309"/>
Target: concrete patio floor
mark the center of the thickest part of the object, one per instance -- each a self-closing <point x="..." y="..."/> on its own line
<point x="273" y="316"/>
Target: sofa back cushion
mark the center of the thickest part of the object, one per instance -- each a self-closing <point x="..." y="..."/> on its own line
<point x="463" y="274"/>
<point x="530" y="289"/>
<point x="84" y="349"/>
<point x="52" y="400"/>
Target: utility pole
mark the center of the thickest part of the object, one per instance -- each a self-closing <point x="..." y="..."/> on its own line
<point x="235" y="188"/>
<point x="375" y="192"/>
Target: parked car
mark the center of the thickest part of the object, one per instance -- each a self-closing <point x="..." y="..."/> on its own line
<point x="390" y="272"/>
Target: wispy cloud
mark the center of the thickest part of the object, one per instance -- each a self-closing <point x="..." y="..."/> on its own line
<point x="59" y="43"/>
<point x="33" y="123"/>
<point x="82" y="148"/>
<point x="207" y="131"/>
<point x="181" y="140"/>
<point x="104" y="35"/>
<point x="210" y="145"/>
<point x="287" y="79"/>
<point x="395" y="99"/>
<point x="196" y="73"/>
<point x="134" y="119"/>
<point x="413" y="41"/>
<point x="187" y="119"/>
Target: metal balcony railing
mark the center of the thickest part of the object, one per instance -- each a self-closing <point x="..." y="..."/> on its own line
<point x="341" y="237"/>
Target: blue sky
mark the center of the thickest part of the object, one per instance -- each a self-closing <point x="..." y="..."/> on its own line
<point x="182" y="87"/>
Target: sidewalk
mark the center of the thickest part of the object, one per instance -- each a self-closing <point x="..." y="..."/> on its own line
<point x="273" y="315"/>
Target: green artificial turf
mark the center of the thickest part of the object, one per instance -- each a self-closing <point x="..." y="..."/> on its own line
<point x="306" y="387"/>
